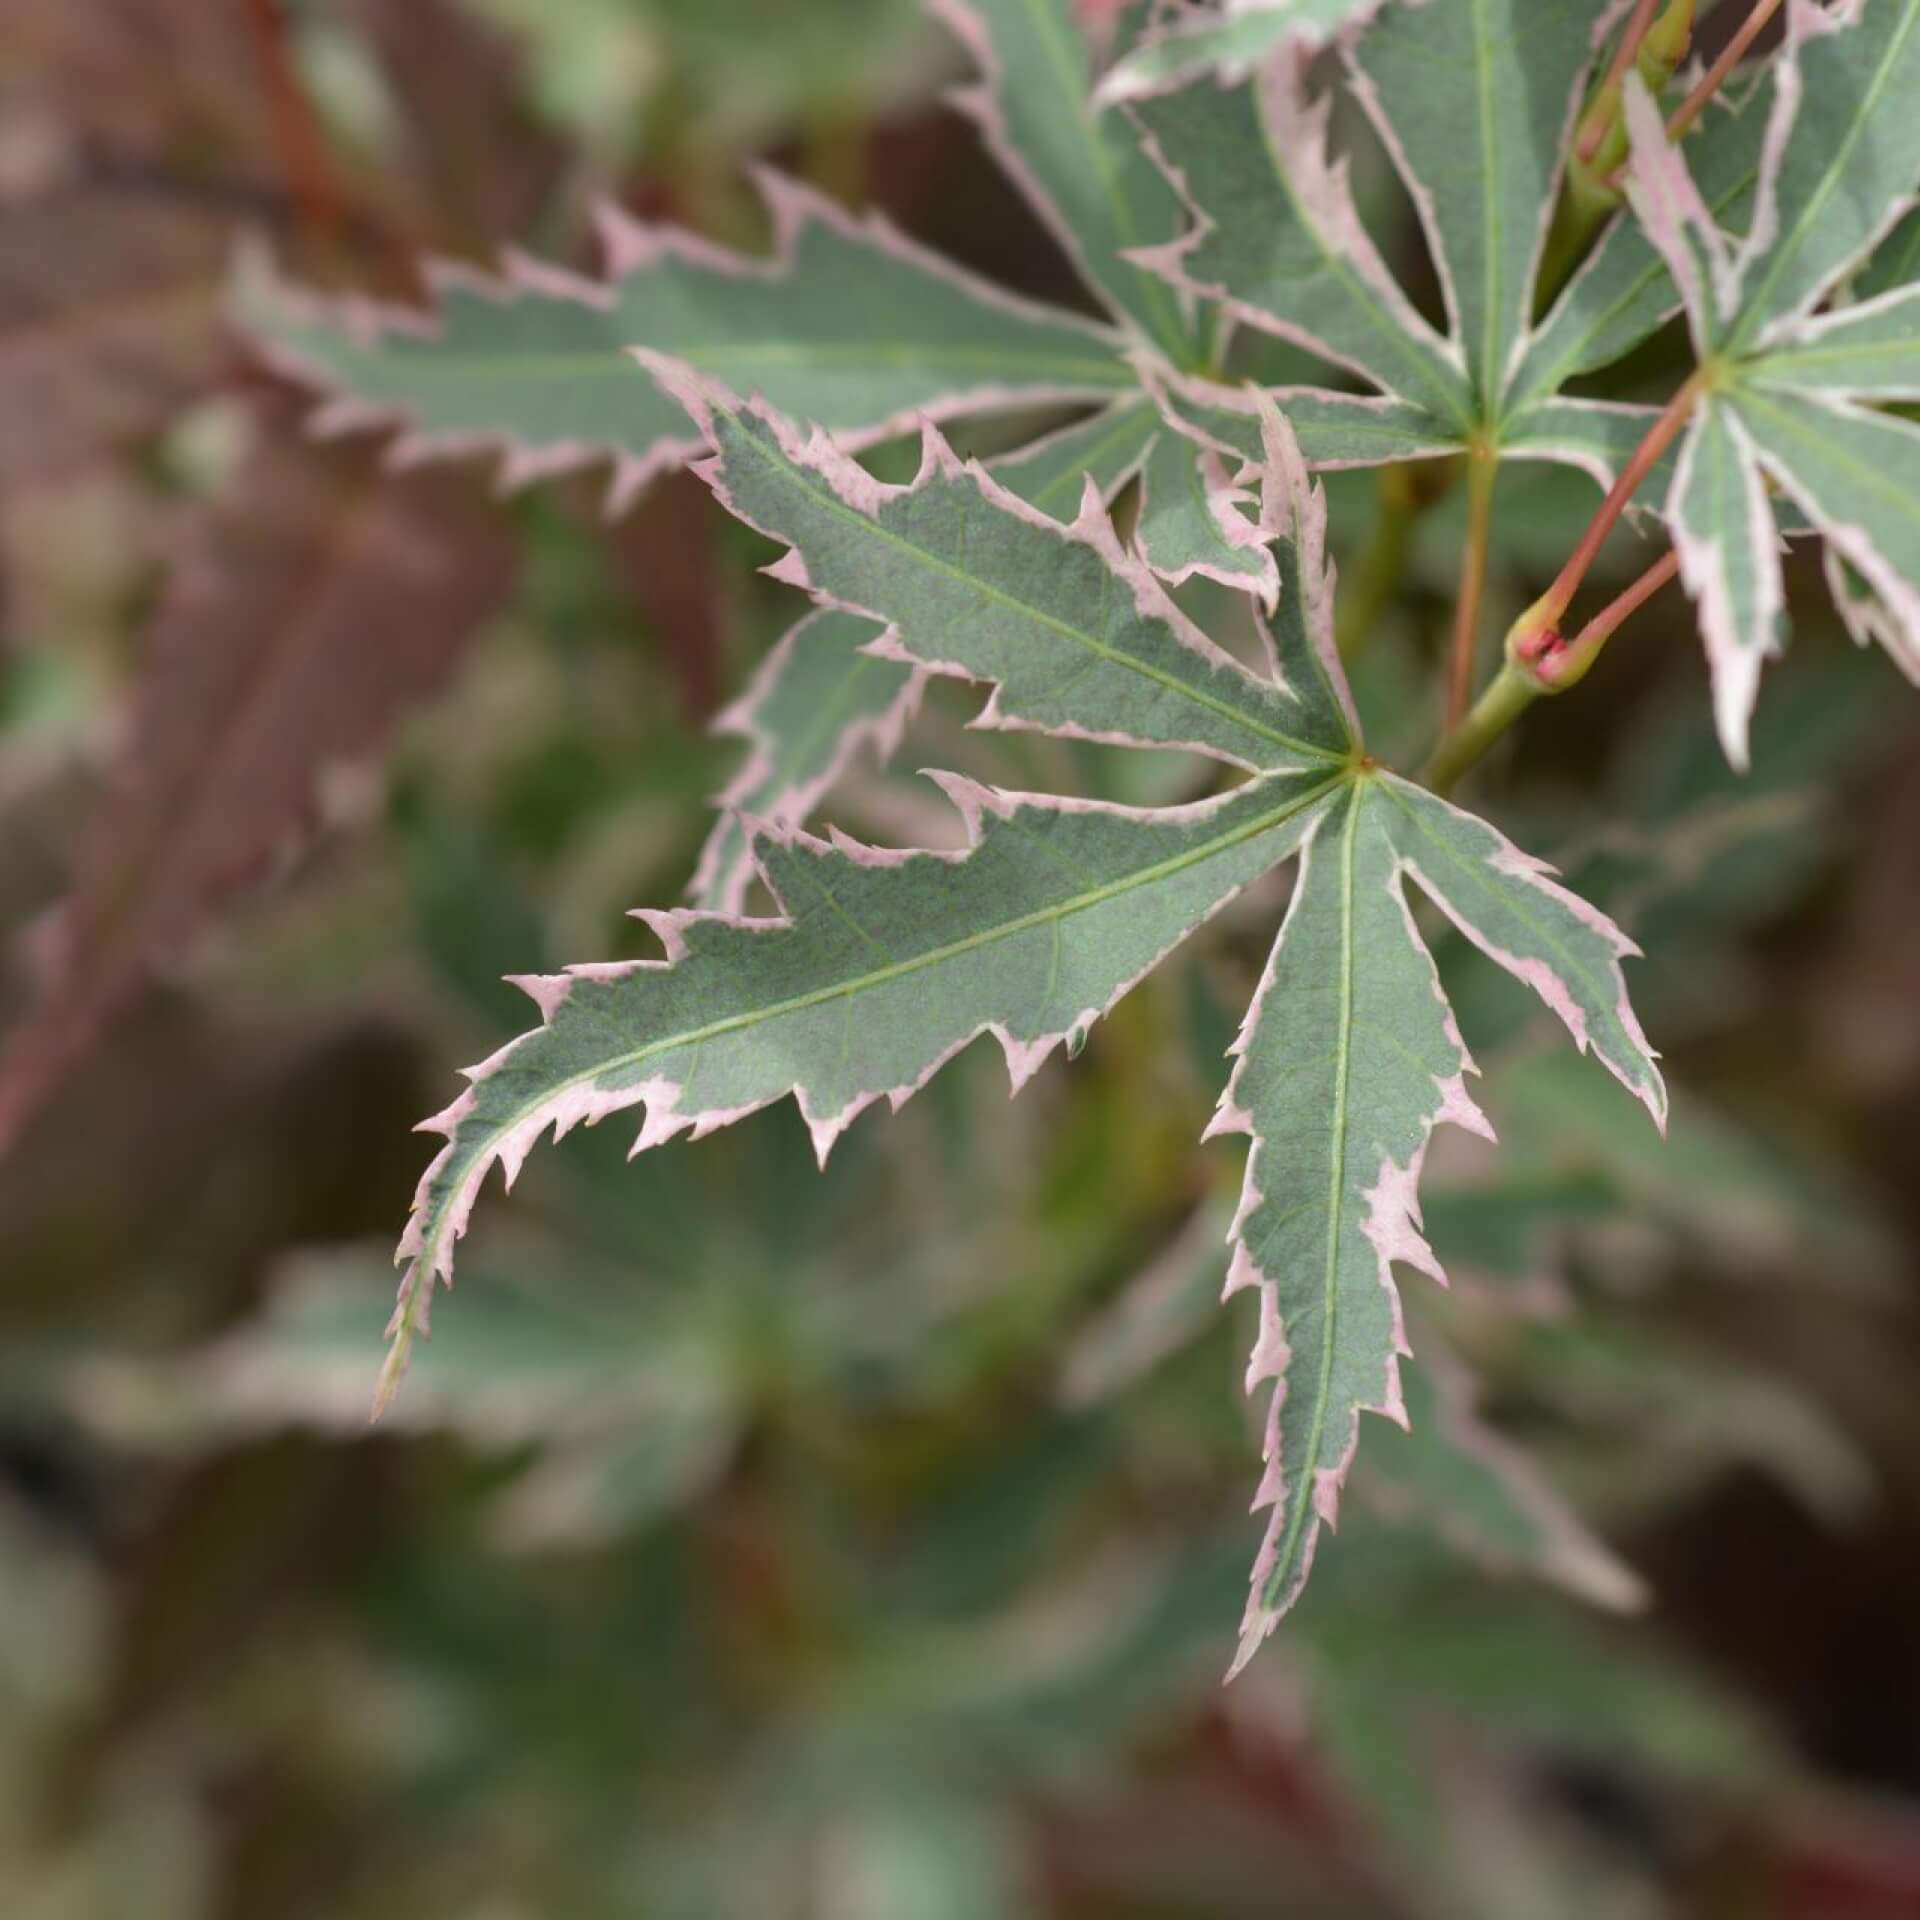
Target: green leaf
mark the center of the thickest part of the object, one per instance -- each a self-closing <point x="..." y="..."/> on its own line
<point x="1869" y="352"/>
<point x="1856" y="475"/>
<point x="1895" y="262"/>
<point x="1729" y="547"/>
<point x="1348" y="1059"/>
<point x="1108" y="447"/>
<point x="1277" y="238"/>
<point x="1231" y="44"/>
<point x="1474" y="98"/>
<point x="849" y="323"/>
<point x="1334" y="430"/>
<point x="1481" y="1495"/>
<point x="1188" y="522"/>
<point x="1076" y="633"/>
<point x="1780" y="390"/>
<point x="881" y="967"/>
<point x="818" y="698"/>
<point x="1083" y="173"/>
<point x="1843" y="156"/>
<point x="1624" y="291"/>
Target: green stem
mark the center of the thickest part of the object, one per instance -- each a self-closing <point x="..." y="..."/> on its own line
<point x="1508" y="695"/>
<point x="1538" y="664"/>
<point x="1482" y="471"/>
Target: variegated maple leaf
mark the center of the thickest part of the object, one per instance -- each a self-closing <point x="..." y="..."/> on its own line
<point x="1794" y="383"/>
<point x="878" y="966"/>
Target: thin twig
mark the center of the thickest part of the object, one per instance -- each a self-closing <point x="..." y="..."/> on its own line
<point x="1482" y="470"/>
<point x="303" y="147"/>
<point x="1596" y="131"/>
<point x="1660" y="436"/>
<point x="1749" y="30"/>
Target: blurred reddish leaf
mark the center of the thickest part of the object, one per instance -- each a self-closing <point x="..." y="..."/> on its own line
<point x="311" y="603"/>
<point x="108" y="324"/>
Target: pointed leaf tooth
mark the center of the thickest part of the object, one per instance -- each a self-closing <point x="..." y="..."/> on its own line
<point x="848" y="322"/>
<point x="818" y="699"/>
<point x="1074" y="631"/>
<point x="881" y="966"/>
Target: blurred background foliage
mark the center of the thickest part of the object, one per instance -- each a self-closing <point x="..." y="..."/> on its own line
<point x="867" y="1545"/>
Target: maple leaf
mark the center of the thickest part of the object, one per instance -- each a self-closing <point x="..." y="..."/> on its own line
<point x="1794" y="384"/>
<point x="879" y="966"/>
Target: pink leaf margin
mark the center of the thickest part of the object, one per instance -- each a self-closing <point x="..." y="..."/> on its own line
<point x="721" y="885"/>
<point x="629" y="248"/>
<point x="819" y="454"/>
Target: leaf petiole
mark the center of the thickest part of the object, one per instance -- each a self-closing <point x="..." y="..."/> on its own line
<point x="1538" y="663"/>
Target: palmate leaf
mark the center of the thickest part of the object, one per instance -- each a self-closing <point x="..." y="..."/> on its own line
<point x="879" y="966"/>
<point x="1788" y="397"/>
<point x="1275" y="235"/>
<point x="848" y="323"/>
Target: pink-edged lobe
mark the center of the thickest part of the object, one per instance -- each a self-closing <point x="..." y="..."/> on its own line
<point x="724" y="886"/>
<point x="630" y="247"/>
<point x="1516" y="864"/>
<point x="702" y="396"/>
<point x="1734" y="658"/>
<point x="1297" y="124"/>
<point x="1392" y="1227"/>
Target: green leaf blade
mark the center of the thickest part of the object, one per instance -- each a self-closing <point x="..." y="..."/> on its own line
<point x="1856" y="475"/>
<point x="1277" y="237"/>
<point x="1077" y="635"/>
<point x="882" y="967"/>
<point x="1348" y="1060"/>
<point x="848" y="323"/>
<point x="818" y="698"/>
<point x="1505" y="77"/>
<point x="1843" y="156"/>
<point x="1865" y="352"/>
<point x="1082" y="172"/>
